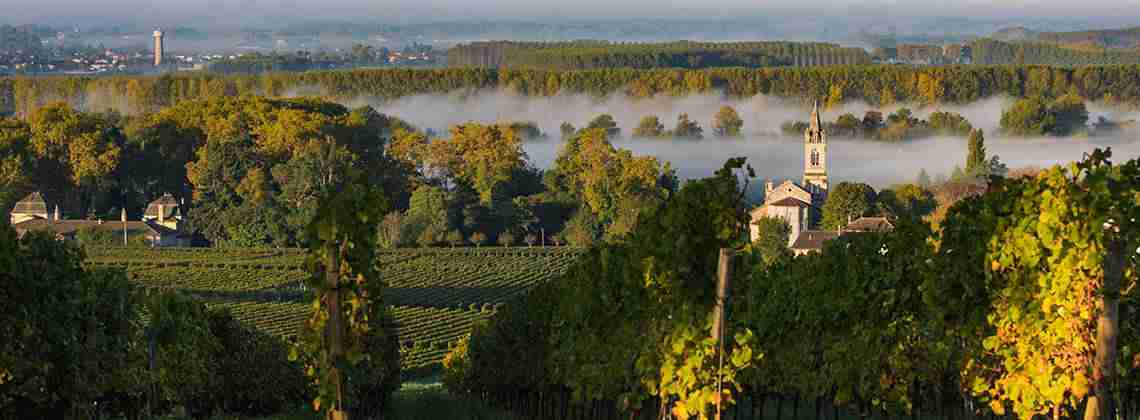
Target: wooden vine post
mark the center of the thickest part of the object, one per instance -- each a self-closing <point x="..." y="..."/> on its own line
<point x="335" y="328"/>
<point x="1120" y="232"/>
<point x="724" y="267"/>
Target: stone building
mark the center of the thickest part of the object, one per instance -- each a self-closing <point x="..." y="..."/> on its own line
<point x="159" y="227"/>
<point x="799" y="204"/>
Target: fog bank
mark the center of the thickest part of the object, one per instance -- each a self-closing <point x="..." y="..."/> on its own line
<point x="771" y="153"/>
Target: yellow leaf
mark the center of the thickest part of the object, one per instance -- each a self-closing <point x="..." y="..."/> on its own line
<point x="997" y="407"/>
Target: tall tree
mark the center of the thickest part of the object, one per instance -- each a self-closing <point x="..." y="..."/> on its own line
<point x="649" y="127"/>
<point x="847" y="201"/>
<point x="977" y="165"/>
<point x="687" y="129"/>
<point x="727" y="123"/>
<point x="605" y="122"/>
<point x="484" y="156"/>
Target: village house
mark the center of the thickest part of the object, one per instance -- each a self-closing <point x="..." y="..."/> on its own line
<point x="159" y="227"/>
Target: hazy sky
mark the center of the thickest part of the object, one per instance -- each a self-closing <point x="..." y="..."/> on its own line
<point x="204" y="12"/>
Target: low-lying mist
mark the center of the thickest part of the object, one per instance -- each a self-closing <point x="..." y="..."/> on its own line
<point x="771" y="153"/>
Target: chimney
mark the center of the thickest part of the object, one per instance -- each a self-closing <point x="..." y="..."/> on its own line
<point x="768" y="187"/>
<point x="161" y="213"/>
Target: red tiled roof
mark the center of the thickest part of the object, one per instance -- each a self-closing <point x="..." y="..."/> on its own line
<point x="814" y="239"/>
<point x="870" y="224"/>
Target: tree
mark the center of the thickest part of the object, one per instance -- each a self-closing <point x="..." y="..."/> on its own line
<point x="483" y="156"/>
<point x="69" y="335"/>
<point x="727" y="123"/>
<point x="566" y="129"/>
<point x="316" y="169"/>
<point x="845" y="202"/>
<point x="771" y="239"/>
<point x="872" y="122"/>
<point x="912" y="201"/>
<point x="76" y="153"/>
<point x="649" y="127"/>
<point x="426" y="219"/>
<point x="686" y="128"/>
<point x="977" y="166"/>
<point x="834" y="97"/>
<point x="848" y="125"/>
<point x="590" y="172"/>
<point x="605" y="122"/>
<point x="1028" y="117"/>
<point x="1070" y="115"/>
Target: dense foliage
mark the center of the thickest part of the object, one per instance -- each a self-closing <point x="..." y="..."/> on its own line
<point x="579" y="55"/>
<point x="901" y="322"/>
<point x="898" y="126"/>
<point x="882" y="85"/>
<point x="82" y="342"/>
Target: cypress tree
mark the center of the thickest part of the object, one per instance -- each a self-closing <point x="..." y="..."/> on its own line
<point x="976" y="165"/>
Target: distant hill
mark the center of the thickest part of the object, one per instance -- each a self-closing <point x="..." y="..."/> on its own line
<point x="1091" y="40"/>
<point x="1014" y="34"/>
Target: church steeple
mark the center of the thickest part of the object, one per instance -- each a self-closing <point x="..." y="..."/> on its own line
<point x="815" y="154"/>
<point x="815" y="128"/>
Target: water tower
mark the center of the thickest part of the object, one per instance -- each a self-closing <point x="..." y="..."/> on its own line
<point x="157" y="48"/>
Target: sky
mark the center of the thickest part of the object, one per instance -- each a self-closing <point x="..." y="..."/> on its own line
<point x="204" y="12"/>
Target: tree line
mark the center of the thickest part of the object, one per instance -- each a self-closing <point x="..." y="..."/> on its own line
<point x="586" y="54"/>
<point x="878" y="85"/>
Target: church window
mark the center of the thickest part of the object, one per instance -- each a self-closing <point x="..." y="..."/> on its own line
<point x="814" y="158"/>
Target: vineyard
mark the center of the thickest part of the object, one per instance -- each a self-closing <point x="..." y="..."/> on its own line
<point x="435" y="295"/>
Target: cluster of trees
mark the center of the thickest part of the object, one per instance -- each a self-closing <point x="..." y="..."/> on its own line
<point x="726" y="123"/>
<point x="880" y="85"/>
<point x="917" y="320"/>
<point x="898" y="126"/>
<point x="1063" y="116"/>
<point x="262" y="63"/>
<point x="249" y="172"/>
<point x="76" y="345"/>
<point x="249" y="168"/>
<point x="581" y="55"/>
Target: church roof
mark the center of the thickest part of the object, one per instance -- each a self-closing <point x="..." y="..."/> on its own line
<point x="789" y="202"/>
<point x="169" y="207"/>
<point x="31" y="204"/>
<point x="870" y="224"/>
<point x="813" y="239"/>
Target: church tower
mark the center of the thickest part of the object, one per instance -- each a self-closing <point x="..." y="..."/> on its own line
<point x="815" y="155"/>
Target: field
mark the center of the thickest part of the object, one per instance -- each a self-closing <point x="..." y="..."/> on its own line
<point x="435" y="295"/>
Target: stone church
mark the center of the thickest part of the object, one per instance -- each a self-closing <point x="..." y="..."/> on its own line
<point x="799" y="203"/>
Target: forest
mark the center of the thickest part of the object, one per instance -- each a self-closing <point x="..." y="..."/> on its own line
<point x="877" y="85"/>
<point x="581" y="55"/>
